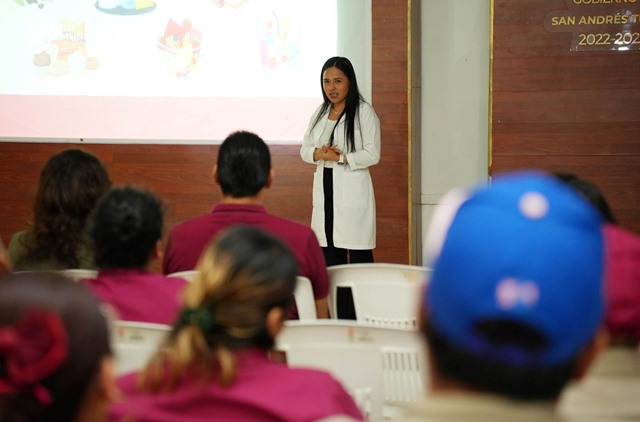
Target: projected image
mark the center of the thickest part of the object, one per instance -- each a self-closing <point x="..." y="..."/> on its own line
<point x="181" y="44"/>
<point x="126" y="7"/>
<point x="62" y="54"/>
<point x="279" y="42"/>
<point x="233" y="4"/>
<point x="39" y="3"/>
<point x="189" y="70"/>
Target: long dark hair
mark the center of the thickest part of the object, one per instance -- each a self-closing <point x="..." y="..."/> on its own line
<point x="352" y="100"/>
<point x="70" y="184"/>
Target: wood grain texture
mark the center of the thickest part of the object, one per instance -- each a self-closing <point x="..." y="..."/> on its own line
<point x="181" y="174"/>
<point x="566" y="111"/>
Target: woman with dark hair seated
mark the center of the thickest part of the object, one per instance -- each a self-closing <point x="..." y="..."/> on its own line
<point x="70" y="184"/>
<point x="214" y="364"/>
<point x="55" y="359"/>
<point x="126" y="229"/>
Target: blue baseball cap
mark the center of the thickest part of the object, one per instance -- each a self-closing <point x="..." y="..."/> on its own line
<point x="526" y="249"/>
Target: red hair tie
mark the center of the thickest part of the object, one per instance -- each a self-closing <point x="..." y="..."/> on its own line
<point x="32" y="350"/>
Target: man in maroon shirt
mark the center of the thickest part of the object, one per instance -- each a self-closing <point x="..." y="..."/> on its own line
<point x="243" y="173"/>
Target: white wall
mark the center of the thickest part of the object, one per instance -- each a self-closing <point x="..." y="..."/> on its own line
<point x="454" y="97"/>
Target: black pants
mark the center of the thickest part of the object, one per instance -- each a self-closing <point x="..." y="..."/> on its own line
<point x="339" y="256"/>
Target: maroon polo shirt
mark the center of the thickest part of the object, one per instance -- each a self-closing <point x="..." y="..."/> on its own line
<point x="188" y="239"/>
<point x="139" y="295"/>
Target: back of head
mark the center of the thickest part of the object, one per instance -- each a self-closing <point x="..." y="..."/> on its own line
<point x="70" y="184"/>
<point x="53" y="339"/>
<point x="244" y="163"/>
<point x="590" y="192"/>
<point x="516" y="292"/>
<point x="125" y="227"/>
<point x="246" y="277"/>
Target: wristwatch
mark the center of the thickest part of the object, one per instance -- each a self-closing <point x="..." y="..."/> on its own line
<point x="341" y="159"/>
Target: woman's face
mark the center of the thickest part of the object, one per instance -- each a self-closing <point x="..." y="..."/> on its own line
<point x="335" y="85"/>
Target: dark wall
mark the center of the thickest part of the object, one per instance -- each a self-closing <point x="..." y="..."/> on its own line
<point x="563" y="110"/>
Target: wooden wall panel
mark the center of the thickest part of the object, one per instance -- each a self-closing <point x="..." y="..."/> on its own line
<point x="567" y="111"/>
<point x="390" y="84"/>
<point x="181" y="174"/>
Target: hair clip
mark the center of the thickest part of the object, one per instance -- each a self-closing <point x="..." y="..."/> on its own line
<point x="201" y="317"/>
<point x="32" y="349"/>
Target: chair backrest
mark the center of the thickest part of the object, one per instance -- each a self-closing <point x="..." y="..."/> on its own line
<point x="305" y="302"/>
<point x="383" y="294"/>
<point x="80" y="274"/>
<point x="134" y="342"/>
<point x="356" y="365"/>
<point x="76" y="274"/>
<point x="399" y="354"/>
<point x="186" y="275"/>
<point x="303" y="294"/>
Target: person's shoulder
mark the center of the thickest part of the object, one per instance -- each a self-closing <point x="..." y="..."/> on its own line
<point x="315" y="377"/>
<point x="17" y="238"/>
<point x="366" y="109"/>
<point x="190" y="223"/>
<point x="291" y="227"/>
<point x="17" y="245"/>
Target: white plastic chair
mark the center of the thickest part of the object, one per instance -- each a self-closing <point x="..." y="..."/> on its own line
<point x="188" y="275"/>
<point x="383" y="294"/>
<point x="77" y="274"/>
<point x="135" y="342"/>
<point x="303" y="294"/>
<point x="305" y="302"/>
<point x="400" y="354"/>
<point x="356" y="365"/>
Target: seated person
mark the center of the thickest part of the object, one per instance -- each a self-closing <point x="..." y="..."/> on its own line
<point x="244" y="174"/>
<point x="214" y="365"/>
<point x="55" y="358"/>
<point x="611" y="389"/>
<point x="126" y="228"/>
<point x="70" y="184"/>
<point x="514" y="307"/>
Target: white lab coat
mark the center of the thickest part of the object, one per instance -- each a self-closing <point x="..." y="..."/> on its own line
<point x="354" y="206"/>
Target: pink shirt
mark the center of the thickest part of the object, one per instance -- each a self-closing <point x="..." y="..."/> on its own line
<point x="139" y="295"/>
<point x="262" y="391"/>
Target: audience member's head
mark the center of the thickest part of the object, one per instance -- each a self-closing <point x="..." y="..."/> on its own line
<point x="70" y="184"/>
<point x="590" y="192"/>
<point x="55" y="358"/>
<point x="126" y="228"/>
<point x="243" y="168"/>
<point x="622" y="269"/>
<point x="238" y="301"/>
<point x="515" y="302"/>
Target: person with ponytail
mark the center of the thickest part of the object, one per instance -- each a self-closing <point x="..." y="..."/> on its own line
<point x="214" y="364"/>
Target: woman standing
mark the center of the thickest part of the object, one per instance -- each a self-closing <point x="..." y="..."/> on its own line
<point x="343" y="141"/>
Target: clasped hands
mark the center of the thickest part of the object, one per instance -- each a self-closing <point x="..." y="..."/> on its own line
<point x="330" y="153"/>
